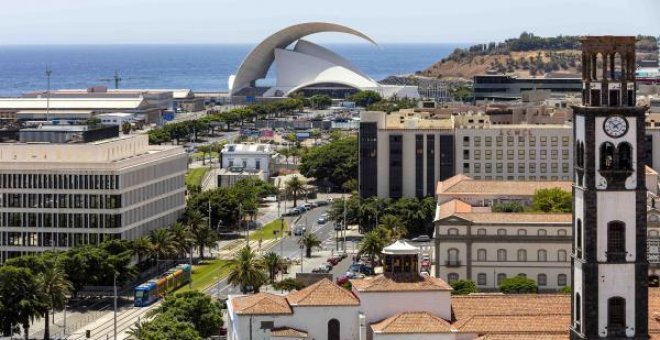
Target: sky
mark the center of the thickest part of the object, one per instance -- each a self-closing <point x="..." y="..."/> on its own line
<point x="30" y="22"/>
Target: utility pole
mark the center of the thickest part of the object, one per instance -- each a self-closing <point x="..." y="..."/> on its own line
<point x="64" y="320"/>
<point x="282" y="234"/>
<point x="343" y="243"/>
<point x="114" y="283"/>
<point x="48" y="73"/>
<point x="210" y="214"/>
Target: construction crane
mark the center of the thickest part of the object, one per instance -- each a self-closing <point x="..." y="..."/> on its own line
<point x="116" y="78"/>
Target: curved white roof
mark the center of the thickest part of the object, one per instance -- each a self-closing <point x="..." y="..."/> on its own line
<point x="256" y="64"/>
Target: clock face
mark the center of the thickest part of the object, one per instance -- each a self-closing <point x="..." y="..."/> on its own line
<point x="616" y="126"/>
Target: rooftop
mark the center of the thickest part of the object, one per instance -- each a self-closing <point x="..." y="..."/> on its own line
<point x="400" y="247"/>
<point x="412" y="322"/>
<point x="287" y="332"/>
<point x="261" y="304"/>
<point x="248" y="148"/>
<point x="464" y="185"/>
<point x="400" y="283"/>
<point x="545" y="218"/>
<point x="323" y="293"/>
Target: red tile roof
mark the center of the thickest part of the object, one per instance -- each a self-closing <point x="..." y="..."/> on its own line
<point x="261" y="304"/>
<point x="400" y="283"/>
<point x="412" y="322"/>
<point x="323" y="293"/>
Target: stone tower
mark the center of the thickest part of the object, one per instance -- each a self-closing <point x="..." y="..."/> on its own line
<point x="610" y="268"/>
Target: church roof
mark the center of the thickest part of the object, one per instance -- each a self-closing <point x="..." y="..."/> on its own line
<point x="323" y="293"/>
<point x="261" y="304"/>
<point x="412" y="322"/>
<point x="400" y="283"/>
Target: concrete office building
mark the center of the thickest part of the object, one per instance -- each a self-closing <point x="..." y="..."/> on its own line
<point x="57" y="196"/>
<point x="505" y="87"/>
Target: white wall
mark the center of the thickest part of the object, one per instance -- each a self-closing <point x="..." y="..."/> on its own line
<point x="611" y="284"/>
<point x="616" y="205"/>
<point x="377" y="306"/>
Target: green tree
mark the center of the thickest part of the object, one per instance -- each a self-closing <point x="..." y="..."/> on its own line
<point x="246" y="270"/>
<point x="135" y="332"/>
<point x="203" y="237"/>
<point x="508" y="207"/>
<point x="464" y="287"/>
<point x="56" y="288"/>
<point x="167" y="327"/>
<point x="334" y="163"/>
<point x="552" y="200"/>
<point x="309" y="241"/>
<point x="394" y="226"/>
<point x="126" y="128"/>
<point x="272" y="261"/>
<point x="518" y="285"/>
<point x="142" y="248"/>
<point x="365" y="98"/>
<point x="320" y="101"/>
<point x="565" y="290"/>
<point x="195" y="308"/>
<point x="22" y="300"/>
<point x="288" y="284"/>
<point x="163" y="244"/>
<point x="182" y="242"/>
<point x="296" y="187"/>
<point x="372" y="244"/>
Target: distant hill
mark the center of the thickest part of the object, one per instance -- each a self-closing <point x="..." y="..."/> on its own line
<point x="527" y="55"/>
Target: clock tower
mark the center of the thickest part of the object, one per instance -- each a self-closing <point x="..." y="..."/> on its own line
<point x="610" y="269"/>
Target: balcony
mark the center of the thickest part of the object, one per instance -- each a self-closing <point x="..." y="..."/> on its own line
<point x="452" y="263"/>
<point x="616" y="331"/>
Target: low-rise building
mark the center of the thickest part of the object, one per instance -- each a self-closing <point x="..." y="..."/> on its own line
<point x="250" y="157"/>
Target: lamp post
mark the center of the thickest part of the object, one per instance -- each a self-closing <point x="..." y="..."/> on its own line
<point x="301" y="257"/>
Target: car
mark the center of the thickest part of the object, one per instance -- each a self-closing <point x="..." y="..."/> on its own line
<point x="308" y="206"/>
<point x="422" y="238"/>
<point x="342" y="280"/>
<point x="321" y="220"/>
<point x="291" y="212"/>
<point x="354" y="275"/>
<point x="333" y="260"/>
<point x="339" y="226"/>
<point x="361" y="268"/>
<point x="302" y="208"/>
<point x="298" y="230"/>
<point x="314" y="204"/>
<point x="341" y="254"/>
<point x="322" y="202"/>
<point x="323" y="268"/>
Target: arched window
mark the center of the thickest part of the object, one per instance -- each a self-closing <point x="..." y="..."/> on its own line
<point x="522" y="232"/>
<point x="482" y="279"/>
<point x="333" y="329"/>
<point x="561" y="280"/>
<point x="607" y="156"/>
<point x="562" y="256"/>
<point x="578" y="307"/>
<point x="501" y="255"/>
<point x="452" y="231"/>
<point x="578" y="232"/>
<point x="616" y="241"/>
<point x="481" y="255"/>
<point x="451" y="277"/>
<point x="616" y="315"/>
<point x="653" y="233"/>
<point x="522" y="255"/>
<point x="542" y="280"/>
<point x="624" y="152"/>
<point x="542" y="255"/>
<point x="452" y="255"/>
<point x="481" y="231"/>
<point x="501" y="232"/>
<point x="500" y="278"/>
<point x="580" y="154"/>
<point x="542" y="232"/>
<point x="561" y="232"/>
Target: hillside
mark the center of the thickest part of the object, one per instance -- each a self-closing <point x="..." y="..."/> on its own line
<point x="527" y="55"/>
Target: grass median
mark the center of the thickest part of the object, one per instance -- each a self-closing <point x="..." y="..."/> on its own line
<point x="205" y="274"/>
<point x="267" y="232"/>
<point x="194" y="176"/>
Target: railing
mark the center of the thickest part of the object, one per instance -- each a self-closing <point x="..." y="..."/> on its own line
<point x="454" y="263"/>
<point x="616" y="256"/>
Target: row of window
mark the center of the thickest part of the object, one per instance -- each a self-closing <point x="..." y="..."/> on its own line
<point x="59" y="181"/>
<point x="48" y="220"/>
<point x="541" y="279"/>
<point x="482" y="255"/>
<point x="510" y="140"/>
<point x="511" y="167"/>
<point x="521" y="178"/>
<point x="60" y="201"/>
<point x="50" y="239"/>
<point x="523" y="155"/>
<point x="503" y="232"/>
<point x="257" y="163"/>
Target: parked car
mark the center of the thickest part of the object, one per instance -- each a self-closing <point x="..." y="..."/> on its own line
<point x="314" y="204"/>
<point x="322" y="220"/>
<point x="361" y="268"/>
<point x="339" y="226"/>
<point x="354" y="275"/>
<point x="341" y="254"/>
<point x="322" y="202"/>
<point x="333" y="260"/>
<point x="342" y="280"/>
<point x="302" y="208"/>
<point x="298" y="231"/>
<point x="291" y="212"/>
<point x="324" y="268"/>
<point x="422" y="238"/>
<point x="308" y="206"/>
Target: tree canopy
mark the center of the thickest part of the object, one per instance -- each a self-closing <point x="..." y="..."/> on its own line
<point x="365" y="98"/>
<point x="334" y="163"/>
<point x="518" y="285"/>
<point x="464" y="287"/>
<point x="552" y="200"/>
<point x="195" y="308"/>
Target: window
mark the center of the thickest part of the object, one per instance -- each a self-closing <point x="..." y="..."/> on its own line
<point x="544" y="141"/>
<point x="482" y="279"/>
<point x="616" y="241"/>
<point x="498" y="154"/>
<point x="509" y="141"/>
<point x="522" y="255"/>
<point x="488" y="167"/>
<point x="653" y="233"/>
<point x="544" y="155"/>
<point x="564" y="168"/>
<point x="257" y="164"/>
<point x="489" y="141"/>
<point x="509" y="155"/>
<point x="616" y="316"/>
<point x="554" y="141"/>
<point x="565" y="140"/>
<point x="466" y="154"/>
<point x="625" y="156"/>
<point x="542" y="232"/>
<point x="561" y="232"/>
<point x="521" y="168"/>
<point x="554" y="154"/>
<point x="562" y="280"/>
<point x="501" y="232"/>
<point x="481" y="231"/>
<point x="564" y="154"/>
<point x="542" y="255"/>
<point x="554" y="167"/>
<point x="477" y="141"/>
<point x="562" y="256"/>
<point x="578" y="231"/>
<point x="532" y="168"/>
<point x="532" y="140"/>
<point x="532" y="154"/>
<point x="500" y="278"/>
<point x="452" y="231"/>
<point x="489" y="154"/>
<point x="578" y="307"/>
<point x="452" y="257"/>
<point x="522" y="275"/>
<point x="521" y="155"/>
<point x="481" y="255"/>
<point x="544" y="168"/>
<point x="499" y="168"/>
<point x="333" y="329"/>
<point x="521" y="140"/>
<point x="477" y="168"/>
<point x="509" y="167"/>
<point x="501" y="255"/>
<point x="542" y="280"/>
<point x="606" y="156"/>
<point x="466" y="168"/>
<point x="522" y="232"/>
<point x="466" y="141"/>
<point x="477" y="155"/>
<point x="498" y="140"/>
<point x="451" y="277"/>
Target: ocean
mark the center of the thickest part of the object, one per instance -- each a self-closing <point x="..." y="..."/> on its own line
<point x="201" y="68"/>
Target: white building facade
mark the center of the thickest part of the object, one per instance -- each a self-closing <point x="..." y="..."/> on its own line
<point x="249" y="157"/>
<point x="57" y="196"/>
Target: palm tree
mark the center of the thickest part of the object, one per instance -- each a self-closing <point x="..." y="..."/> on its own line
<point x="394" y="226"/>
<point x="372" y="244"/>
<point x="32" y="305"/>
<point x="56" y="287"/>
<point x="246" y="270"/>
<point x="295" y="186"/>
<point x="202" y="236"/>
<point x="181" y="239"/>
<point x="309" y="241"/>
<point x="142" y="247"/>
<point x="136" y="330"/>
<point x="163" y="244"/>
<point x="272" y="262"/>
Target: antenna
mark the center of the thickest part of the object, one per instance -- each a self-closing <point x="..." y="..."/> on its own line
<point x="48" y="73"/>
<point x="117" y="79"/>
